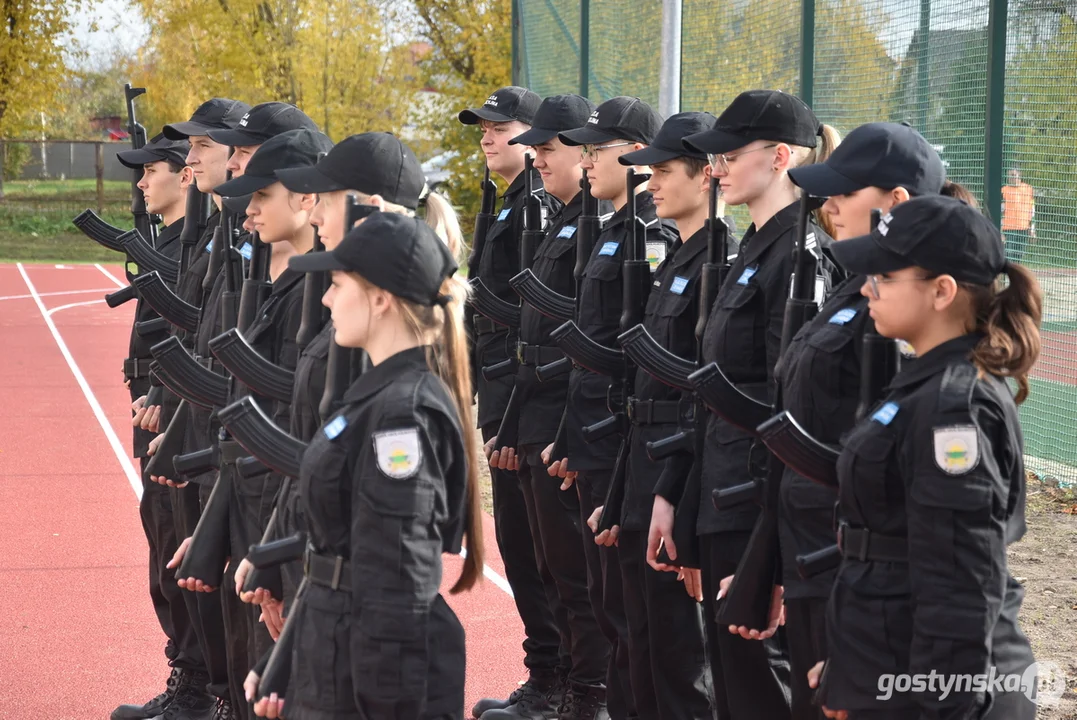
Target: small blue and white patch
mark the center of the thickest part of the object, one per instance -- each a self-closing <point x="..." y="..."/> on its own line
<point x="245" y="251"/>
<point x="209" y="245"/>
<point x="567" y="231"/>
<point x="678" y="285"/>
<point x="842" y="316"/>
<point x="886" y="413"/>
<point x="747" y="275"/>
<point x="336" y="427"/>
<point x="504" y="215"/>
<point x="609" y="248"/>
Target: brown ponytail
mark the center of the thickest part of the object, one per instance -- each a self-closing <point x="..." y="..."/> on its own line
<point x="1010" y="321"/>
<point x="829" y="139"/>
<point x="959" y="192"/>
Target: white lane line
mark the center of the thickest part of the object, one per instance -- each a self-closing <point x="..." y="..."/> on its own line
<point x="54" y="294"/>
<point x="110" y="276"/>
<point x="492" y="574"/>
<point x="110" y="434"/>
<point x="71" y="305"/>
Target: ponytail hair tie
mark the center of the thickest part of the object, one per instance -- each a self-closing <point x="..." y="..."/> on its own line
<point x="442" y="300"/>
<point x="423" y="195"/>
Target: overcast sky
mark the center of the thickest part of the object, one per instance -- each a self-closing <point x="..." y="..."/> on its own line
<point x="119" y="27"/>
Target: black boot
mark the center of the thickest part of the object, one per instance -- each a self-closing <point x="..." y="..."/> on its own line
<point x="191" y="702"/>
<point x="536" y="699"/>
<point x="154" y="707"/>
<point x="224" y="711"/>
<point x="540" y="680"/>
<point x="584" y="703"/>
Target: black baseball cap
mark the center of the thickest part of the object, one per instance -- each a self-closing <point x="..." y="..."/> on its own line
<point x="287" y="150"/>
<point x="262" y="122"/>
<point x="215" y="114"/>
<point x="667" y="143"/>
<point x="619" y="118"/>
<point x="374" y="163"/>
<point x="940" y="234"/>
<point x="884" y="155"/>
<point x="398" y="253"/>
<point x="759" y="115"/>
<point x="556" y="113"/>
<point x="158" y="149"/>
<point x="506" y="104"/>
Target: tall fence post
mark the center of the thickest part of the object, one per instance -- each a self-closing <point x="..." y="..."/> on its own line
<point x="585" y="46"/>
<point x="3" y="164"/>
<point x="669" y="70"/>
<point x="923" y="68"/>
<point x="996" y="108"/>
<point x="515" y="43"/>
<point x="99" y="173"/>
<point x="807" y="51"/>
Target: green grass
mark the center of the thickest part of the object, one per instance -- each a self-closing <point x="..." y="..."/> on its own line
<point x="35" y="220"/>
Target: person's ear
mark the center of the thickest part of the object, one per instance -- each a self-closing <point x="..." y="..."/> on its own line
<point x="897" y="196"/>
<point x="186" y="177"/>
<point x="377" y="201"/>
<point x="307" y="201"/>
<point x="782" y="156"/>
<point x="945" y="289"/>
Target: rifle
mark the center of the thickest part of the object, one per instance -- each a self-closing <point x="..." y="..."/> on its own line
<point x="232" y="269"/>
<point x="248" y="424"/>
<point x="161" y="463"/>
<point x="248" y="367"/>
<point x="486" y="303"/>
<point x="256" y="286"/>
<point x="187" y="378"/>
<point x="195" y="466"/>
<point x="482" y="223"/>
<point x="747" y="603"/>
<point x="194" y="216"/>
<point x="93" y="227"/>
<point x="252" y="467"/>
<point x="673" y="370"/>
<point x="148" y="258"/>
<point x="165" y="302"/>
<point x="315" y="314"/>
<point x="143" y="222"/>
<point x="277" y="673"/>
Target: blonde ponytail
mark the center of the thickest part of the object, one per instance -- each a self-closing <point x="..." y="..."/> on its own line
<point x="441" y="216"/>
<point x="829" y="139"/>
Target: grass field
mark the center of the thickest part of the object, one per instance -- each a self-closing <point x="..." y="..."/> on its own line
<point x="35" y="219"/>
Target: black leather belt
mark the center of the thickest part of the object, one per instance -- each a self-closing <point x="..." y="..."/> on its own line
<point x="486" y="326"/>
<point x="653" y="412"/>
<point x="134" y="368"/>
<point x="535" y="355"/>
<point x="867" y="546"/>
<point x="329" y="571"/>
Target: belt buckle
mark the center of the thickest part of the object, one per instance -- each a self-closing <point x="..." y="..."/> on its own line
<point x="338" y="568"/>
<point x="863" y="554"/>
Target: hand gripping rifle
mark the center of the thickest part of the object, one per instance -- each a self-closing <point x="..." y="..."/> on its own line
<point x="672" y="370"/>
<point x="277" y="673"/>
<point x="748" y="601"/>
<point x="172" y="443"/>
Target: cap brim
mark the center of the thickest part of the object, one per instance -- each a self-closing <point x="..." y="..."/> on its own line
<point x="308" y="180"/>
<point x="585" y="136"/>
<point x="184" y="130"/>
<point x="135" y="159"/>
<point x="237" y="204"/>
<point x="472" y="116"/>
<point x="715" y="142"/>
<point x="315" y="262"/>
<point x="865" y="256"/>
<point x="821" y="180"/>
<point x="243" y="185"/>
<point x="234" y="138"/>
<point x="534" y="136"/>
<point x="649" y="156"/>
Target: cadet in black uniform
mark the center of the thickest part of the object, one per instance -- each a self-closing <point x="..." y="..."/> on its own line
<point x="670" y="673"/>
<point x="553" y="508"/>
<point x="164" y="183"/>
<point x="388" y="485"/>
<point x="878" y="165"/>
<point x="932" y="482"/>
<point x="505" y="114"/>
<point x="755" y="142"/>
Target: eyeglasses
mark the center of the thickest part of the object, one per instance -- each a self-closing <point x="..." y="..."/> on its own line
<point x="874" y="281"/>
<point x="590" y="152"/>
<point x="722" y="161"/>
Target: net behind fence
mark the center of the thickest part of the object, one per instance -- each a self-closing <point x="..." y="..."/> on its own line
<point x="924" y="62"/>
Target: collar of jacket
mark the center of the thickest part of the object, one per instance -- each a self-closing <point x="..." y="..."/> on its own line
<point x="756" y="242"/>
<point x="378" y="376"/>
<point x="935" y="361"/>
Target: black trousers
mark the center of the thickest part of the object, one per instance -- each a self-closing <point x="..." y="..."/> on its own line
<point x="668" y="658"/>
<point x="155" y="511"/>
<point x="805" y="632"/>
<point x="554" y="515"/>
<point x="607" y="601"/>
<point x="751" y="677"/>
<point x="534" y="599"/>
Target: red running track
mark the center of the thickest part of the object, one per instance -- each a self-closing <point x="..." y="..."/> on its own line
<point x="77" y="633"/>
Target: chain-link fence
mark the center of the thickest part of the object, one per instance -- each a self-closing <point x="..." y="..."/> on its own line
<point x="993" y="85"/>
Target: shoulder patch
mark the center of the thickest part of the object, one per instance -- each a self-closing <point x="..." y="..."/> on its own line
<point x="567" y="231"/>
<point x="335" y="427"/>
<point x="656" y="253"/>
<point x="886" y="414"/>
<point x="957" y="448"/>
<point x="245" y="251"/>
<point x="400" y="454"/>
<point x="609" y="248"/>
<point x="678" y="285"/>
<point x="747" y="275"/>
<point x="842" y="316"/>
<point x="906" y="349"/>
<point x="504" y="214"/>
<point x="209" y="245"/>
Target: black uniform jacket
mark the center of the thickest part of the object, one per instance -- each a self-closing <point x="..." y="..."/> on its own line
<point x="600" y="319"/>
<point x="499" y="262"/>
<point x="384" y="486"/>
<point x="820" y="380"/>
<point x="139" y="348"/>
<point x="937" y="467"/>
<point x="672" y="311"/>
<point x="744" y="335"/>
